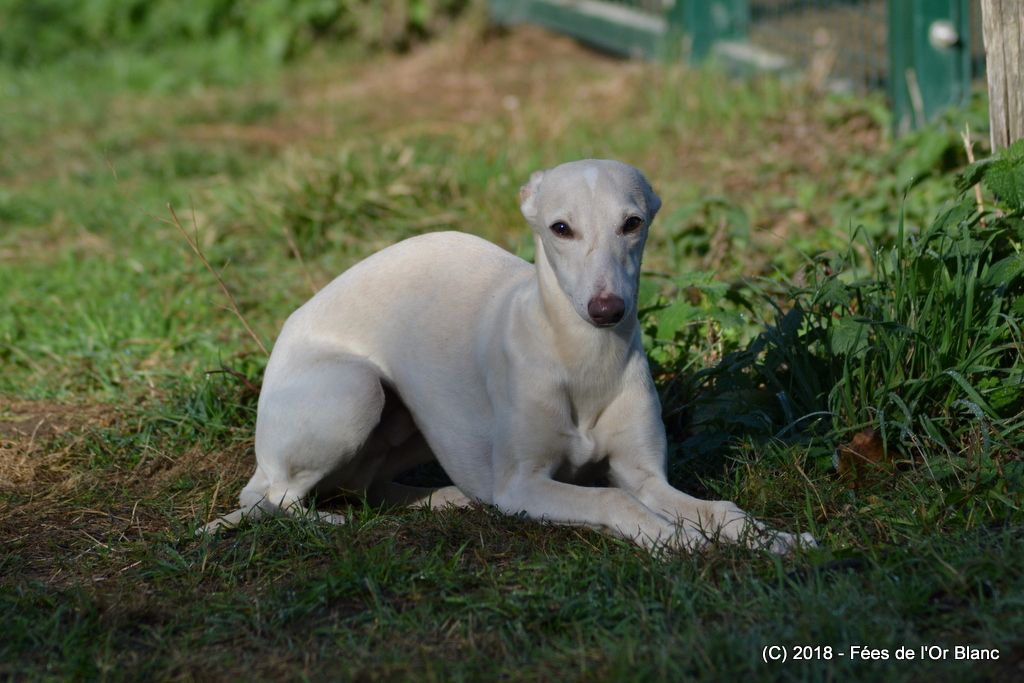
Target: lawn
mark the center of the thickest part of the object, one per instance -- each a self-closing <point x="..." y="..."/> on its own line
<point x="797" y="244"/>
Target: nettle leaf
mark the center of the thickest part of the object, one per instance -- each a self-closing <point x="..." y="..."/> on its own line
<point x="1002" y="391"/>
<point x="1014" y="153"/>
<point x="727" y="319"/>
<point x="1004" y="271"/>
<point x="675" y="317"/>
<point x="972" y="175"/>
<point x="705" y="282"/>
<point x="834" y="293"/>
<point x="1007" y="183"/>
<point x="1005" y="177"/>
<point x="649" y="293"/>
<point x="849" y="336"/>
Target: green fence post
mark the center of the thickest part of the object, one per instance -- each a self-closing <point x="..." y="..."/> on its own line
<point x="703" y="23"/>
<point x="929" y="58"/>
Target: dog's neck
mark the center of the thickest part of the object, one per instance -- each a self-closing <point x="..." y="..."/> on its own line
<point x="580" y="344"/>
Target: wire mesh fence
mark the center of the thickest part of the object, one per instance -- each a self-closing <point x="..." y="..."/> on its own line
<point x="844" y="41"/>
<point x="923" y="53"/>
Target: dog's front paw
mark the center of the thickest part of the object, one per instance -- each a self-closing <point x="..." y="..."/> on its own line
<point x="781" y="543"/>
<point x="727" y="521"/>
<point x="730" y="523"/>
<point x="215" y="527"/>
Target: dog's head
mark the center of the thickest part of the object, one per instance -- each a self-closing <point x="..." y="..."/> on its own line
<point x="591" y="219"/>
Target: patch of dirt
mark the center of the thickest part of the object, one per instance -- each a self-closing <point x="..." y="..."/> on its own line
<point x="40" y="454"/>
<point x="41" y="522"/>
<point x="266" y="136"/>
<point x="196" y="484"/>
<point x="64" y="520"/>
<point x="41" y="243"/>
<point x="59" y="543"/>
<point x="234" y="463"/>
<point x="471" y="78"/>
<point x="33" y="437"/>
<point x="448" y="86"/>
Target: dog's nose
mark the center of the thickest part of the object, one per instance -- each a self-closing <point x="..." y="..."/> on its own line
<point x="606" y="309"/>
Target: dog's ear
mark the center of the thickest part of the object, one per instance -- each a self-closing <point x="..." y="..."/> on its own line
<point x="528" y="195"/>
<point x="652" y="200"/>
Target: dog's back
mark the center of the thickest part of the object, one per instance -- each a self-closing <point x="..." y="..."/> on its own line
<point x="425" y="291"/>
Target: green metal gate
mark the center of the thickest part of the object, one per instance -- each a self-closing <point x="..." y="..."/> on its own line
<point x="923" y="53"/>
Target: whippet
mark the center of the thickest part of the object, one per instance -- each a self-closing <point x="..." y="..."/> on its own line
<point x="525" y="381"/>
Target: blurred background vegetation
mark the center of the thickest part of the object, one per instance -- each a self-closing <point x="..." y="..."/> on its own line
<point x="37" y="32"/>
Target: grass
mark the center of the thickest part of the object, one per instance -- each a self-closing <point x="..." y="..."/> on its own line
<point x="128" y="391"/>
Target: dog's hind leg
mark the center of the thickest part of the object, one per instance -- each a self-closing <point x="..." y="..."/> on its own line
<point x="312" y="423"/>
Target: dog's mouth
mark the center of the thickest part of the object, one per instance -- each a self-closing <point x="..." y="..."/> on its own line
<point x="606" y="323"/>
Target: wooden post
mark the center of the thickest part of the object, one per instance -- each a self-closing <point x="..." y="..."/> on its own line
<point x="1003" y="25"/>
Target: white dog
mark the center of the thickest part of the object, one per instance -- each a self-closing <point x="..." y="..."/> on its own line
<point x="525" y="381"/>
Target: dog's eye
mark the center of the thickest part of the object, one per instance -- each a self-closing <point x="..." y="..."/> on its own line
<point x="632" y="224"/>
<point x="562" y="229"/>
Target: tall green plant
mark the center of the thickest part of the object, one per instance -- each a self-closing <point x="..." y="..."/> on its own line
<point x="920" y="340"/>
<point x="931" y="344"/>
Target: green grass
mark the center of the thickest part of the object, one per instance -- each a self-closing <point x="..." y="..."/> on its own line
<point x="475" y="595"/>
<point x="808" y="278"/>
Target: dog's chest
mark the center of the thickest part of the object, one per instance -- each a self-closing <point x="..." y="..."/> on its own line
<point x="583" y="443"/>
<point x="583" y="455"/>
<point x="583" y="448"/>
<point x="584" y="461"/>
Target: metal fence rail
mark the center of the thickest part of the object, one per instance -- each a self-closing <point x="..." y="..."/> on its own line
<point x="632" y="27"/>
<point x="923" y="53"/>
